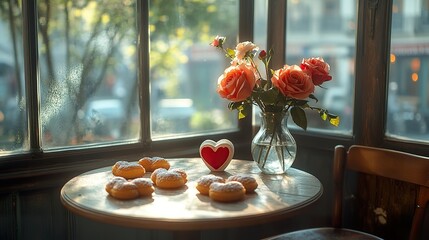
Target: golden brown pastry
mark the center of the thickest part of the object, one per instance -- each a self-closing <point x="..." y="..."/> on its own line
<point x="169" y="179"/>
<point x="120" y="188"/>
<point x="227" y="192"/>
<point x="248" y="182"/>
<point x="151" y="164"/>
<point x="128" y="170"/>
<point x="204" y="182"/>
<point x="144" y="186"/>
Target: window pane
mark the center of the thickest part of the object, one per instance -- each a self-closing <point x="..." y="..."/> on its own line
<point x="184" y="68"/>
<point x="260" y="24"/>
<point x="408" y="103"/>
<point x="88" y="76"/>
<point x="13" y="126"/>
<point x="326" y="29"/>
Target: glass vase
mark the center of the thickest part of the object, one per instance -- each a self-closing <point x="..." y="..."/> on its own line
<point x="273" y="147"/>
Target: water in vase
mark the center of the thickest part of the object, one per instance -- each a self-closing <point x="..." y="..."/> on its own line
<point x="273" y="159"/>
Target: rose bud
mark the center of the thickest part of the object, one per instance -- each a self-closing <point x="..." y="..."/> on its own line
<point x="262" y="55"/>
<point x="218" y="41"/>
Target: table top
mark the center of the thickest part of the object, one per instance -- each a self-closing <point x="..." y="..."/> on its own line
<point x="277" y="197"/>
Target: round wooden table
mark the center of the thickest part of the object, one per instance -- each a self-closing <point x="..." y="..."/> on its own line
<point x="277" y="196"/>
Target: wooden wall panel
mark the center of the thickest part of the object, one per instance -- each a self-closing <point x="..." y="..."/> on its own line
<point x="8" y="217"/>
<point x="88" y="229"/>
<point x="42" y="215"/>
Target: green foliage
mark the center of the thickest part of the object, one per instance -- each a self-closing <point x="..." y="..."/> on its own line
<point x="332" y="118"/>
<point x="269" y="97"/>
<point x="243" y="108"/>
<point x="299" y="117"/>
<point x="230" y="53"/>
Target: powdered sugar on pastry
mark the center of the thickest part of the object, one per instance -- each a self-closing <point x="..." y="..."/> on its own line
<point x="128" y="170"/>
<point x="227" y="192"/>
<point x="204" y="182"/>
<point x="248" y="181"/>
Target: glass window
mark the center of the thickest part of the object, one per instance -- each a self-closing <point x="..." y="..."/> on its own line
<point x="88" y="76"/>
<point x="311" y="34"/>
<point x="260" y="23"/>
<point x="13" y="125"/>
<point x="88" y="71"/>
<point x="408" y="96"/>
<point x="184" y="68"/>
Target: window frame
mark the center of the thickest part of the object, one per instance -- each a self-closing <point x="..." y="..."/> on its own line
<point x="372" y="76"/>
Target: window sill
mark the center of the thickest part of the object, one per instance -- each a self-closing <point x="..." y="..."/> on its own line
<point x="41" y="170"/>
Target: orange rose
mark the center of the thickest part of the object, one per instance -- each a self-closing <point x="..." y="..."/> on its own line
<point x="293" y="82"/>
<point x="317" y="68"/>
<point x="236" y="83"/>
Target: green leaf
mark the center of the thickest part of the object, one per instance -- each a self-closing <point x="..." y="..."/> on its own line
<point x="230" y="53"/>
<point x="332" y="118"/>
<point x="262" y="84"/>
<point x="323" y="114"/>
<point x="334" y="121"/>
<point x="234" y="105"/>
<point x="243" y="110"/>
<point x="241" y="115"/>
<point x="313" y="97"/>
<point x="269" y="96"/>
<point x="330" y="115"/>
<point x="300" y="102"/>
<point x="299" y="117"/>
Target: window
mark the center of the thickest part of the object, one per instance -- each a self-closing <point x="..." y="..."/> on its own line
<point x="90" y="78"/>
<point x="408" y="102"/>
<point x="13" y="123"/>
<point x="326" y="29"/>
<point x="184" y="67"/>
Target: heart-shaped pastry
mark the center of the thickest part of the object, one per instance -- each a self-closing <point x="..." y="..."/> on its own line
<point x="217" y="155"/>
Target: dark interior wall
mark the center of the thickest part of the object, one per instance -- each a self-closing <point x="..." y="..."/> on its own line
<point x="34" y="211"/>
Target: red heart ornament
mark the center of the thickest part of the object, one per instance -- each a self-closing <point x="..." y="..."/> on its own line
<point x="217" y="155"/>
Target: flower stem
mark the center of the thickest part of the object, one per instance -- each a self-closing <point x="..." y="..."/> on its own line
<point x="267" y="70"/>
<point x="255" y="67"/>
<point x="271" y="141"/>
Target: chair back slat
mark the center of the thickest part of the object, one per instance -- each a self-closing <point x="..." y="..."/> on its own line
<point x="389" y="163"/>
<point x="338" y="174"/>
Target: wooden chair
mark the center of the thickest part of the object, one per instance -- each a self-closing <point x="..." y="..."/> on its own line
<point x="374" y="161"/>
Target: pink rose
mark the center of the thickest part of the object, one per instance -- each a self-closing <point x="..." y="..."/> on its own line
<point x="317" y="68"/>
<point x="237" y="82"/>
<point x="244" y="47"/>
<point x="293" y="82"/>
